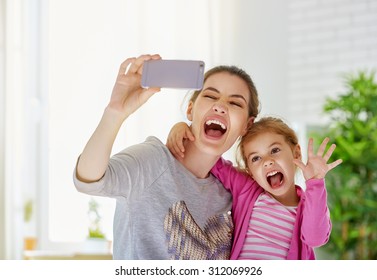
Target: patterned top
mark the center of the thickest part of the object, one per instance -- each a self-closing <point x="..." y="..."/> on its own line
<point x="270" y="230"/>
<point x="163" y="211"/>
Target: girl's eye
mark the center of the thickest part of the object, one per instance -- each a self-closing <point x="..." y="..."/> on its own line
<point x="275" y="150"/>
<point x="254" y="159"/>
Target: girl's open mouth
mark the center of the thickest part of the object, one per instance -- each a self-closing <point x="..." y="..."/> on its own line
<point x="275" y="179"/>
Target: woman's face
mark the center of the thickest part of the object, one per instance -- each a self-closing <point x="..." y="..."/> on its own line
<point x="220" y="113"/>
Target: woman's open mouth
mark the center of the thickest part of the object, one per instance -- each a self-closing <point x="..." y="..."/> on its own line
<point x="275" y="179"/>
<point x="214" y="128"/>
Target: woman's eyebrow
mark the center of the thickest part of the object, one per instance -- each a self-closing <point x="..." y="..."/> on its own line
<point x="233" y="95"/>
<point x="239" y="96"/>
<point x="212" y="89"/>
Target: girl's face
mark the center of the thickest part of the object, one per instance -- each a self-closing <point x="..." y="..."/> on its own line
<point x="220" y="113"/>
<point x="270" y="162"/>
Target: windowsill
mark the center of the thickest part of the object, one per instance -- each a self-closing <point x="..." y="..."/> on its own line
<point x="54" y="255"/>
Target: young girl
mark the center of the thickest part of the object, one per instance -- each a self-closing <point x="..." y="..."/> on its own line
<point x="274" y="218"/>
<point x="168" y="208"/>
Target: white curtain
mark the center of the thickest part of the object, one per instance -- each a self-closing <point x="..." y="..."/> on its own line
<point x="62" y="57"/>
<point x="86" y="42"/>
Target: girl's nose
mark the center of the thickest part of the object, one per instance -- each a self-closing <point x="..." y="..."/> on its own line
<point x="268" y="163"/>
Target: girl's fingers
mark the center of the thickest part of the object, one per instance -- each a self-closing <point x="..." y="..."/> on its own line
<point x="189" y="135"/>
<point x="329" y="152"/>
<point x="178" y="152"/>
<point x="180" y="146"/>
<point x="322" y="148"/>
<point x="174" y="149"/>
<point x="334" y="164"/>
<point x="310" y="147"/>
<point x="175" y="146"/>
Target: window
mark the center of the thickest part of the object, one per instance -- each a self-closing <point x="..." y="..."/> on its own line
<point x="67" y="69"/>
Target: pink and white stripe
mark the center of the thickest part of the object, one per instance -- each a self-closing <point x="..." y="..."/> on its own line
<point x="270" y="230"/>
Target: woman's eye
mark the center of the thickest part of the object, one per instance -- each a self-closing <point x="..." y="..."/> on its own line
<point x="210" y="96"/>
<point x="236" y="104"/>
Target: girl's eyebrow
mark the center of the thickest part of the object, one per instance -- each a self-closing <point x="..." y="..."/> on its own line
<point x="249" y="155"/>
<point x="273" y="144"/>
<point x="233" y="95"/>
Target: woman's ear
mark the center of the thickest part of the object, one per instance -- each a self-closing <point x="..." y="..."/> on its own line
<point x="189" y="111"/>
<point x="248" y="124"/>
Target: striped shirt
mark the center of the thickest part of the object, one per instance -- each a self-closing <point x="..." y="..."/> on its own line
<point x="270" y="230"/>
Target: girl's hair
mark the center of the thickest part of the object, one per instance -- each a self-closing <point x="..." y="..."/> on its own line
<point x="266" y="124"/>
<point x="234" y="70"/>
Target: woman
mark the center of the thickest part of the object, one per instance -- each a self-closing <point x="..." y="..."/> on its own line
<point x="168" y="208"/>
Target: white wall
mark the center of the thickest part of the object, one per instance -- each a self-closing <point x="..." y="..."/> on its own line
<point x="2" y="132"/>
<point x="294" y="50"/>
<point x="326" y="40"/>
<point x="261" y="47"/>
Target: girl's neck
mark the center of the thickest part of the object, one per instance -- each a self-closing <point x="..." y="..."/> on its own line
<point x="291" y="198"/>
<point x="197" y="162"/>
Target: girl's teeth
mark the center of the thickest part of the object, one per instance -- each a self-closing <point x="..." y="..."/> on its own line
<point x="271" y="173"/>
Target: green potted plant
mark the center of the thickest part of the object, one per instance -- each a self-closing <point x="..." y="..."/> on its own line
<point x="352" y="186"/>
<point x="96" y="241"/>
<point x="94" y="230"/>
<point x="30" y="240"/>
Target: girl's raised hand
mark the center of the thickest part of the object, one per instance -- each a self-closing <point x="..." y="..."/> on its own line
<point x="177" y="135"/>
<point x="317" y="166"/>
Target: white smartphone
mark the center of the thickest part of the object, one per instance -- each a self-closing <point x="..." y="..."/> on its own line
<point x="184" y="74"/>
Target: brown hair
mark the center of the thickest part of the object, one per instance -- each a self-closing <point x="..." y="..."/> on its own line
<point x="234" y="70"/>
<point x="266" y="124"/>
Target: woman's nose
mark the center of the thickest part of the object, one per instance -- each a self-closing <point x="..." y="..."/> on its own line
<point x="219" y="108"/>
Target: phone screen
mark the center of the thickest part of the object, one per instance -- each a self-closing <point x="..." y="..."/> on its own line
<point x="185" y="74"/>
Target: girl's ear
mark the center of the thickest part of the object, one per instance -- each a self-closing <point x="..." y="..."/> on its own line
<point x="189" y="111"/>
<point x="250" y="174"/>
<point x="297" y="152"/>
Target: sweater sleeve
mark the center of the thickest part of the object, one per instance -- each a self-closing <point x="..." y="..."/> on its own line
<point x="229" y="176"/>
<point x="316" y="223"/>
<point x="131" y="170"/>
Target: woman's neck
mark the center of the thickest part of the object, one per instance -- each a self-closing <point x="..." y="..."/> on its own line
<point x="197" y="162"/>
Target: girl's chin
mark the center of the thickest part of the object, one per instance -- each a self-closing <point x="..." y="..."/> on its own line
<point x="277" y="190"/>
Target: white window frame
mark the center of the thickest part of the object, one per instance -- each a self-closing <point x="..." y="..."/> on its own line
<point x="3" y="242"/>
<point x="26" y="118"/>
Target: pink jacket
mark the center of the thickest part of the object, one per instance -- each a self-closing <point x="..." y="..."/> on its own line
<point x="312" y="227"/>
